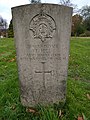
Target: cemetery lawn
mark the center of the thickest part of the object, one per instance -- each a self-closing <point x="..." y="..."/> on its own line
<point x="78" y="86"/>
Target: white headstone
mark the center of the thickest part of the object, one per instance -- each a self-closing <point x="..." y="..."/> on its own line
<point x="42" y="35"/>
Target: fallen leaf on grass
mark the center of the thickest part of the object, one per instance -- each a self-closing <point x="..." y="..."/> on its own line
<point x="88" y="96"/>
<point x="13" y="107"/>
<point x="31" y="110"/>
<point x="80" y="118"/>
<point x="60" y="113"/>
<point x="13" y="59"/>
<point x="2" y="53"/>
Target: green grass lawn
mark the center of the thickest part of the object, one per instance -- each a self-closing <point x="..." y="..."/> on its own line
<point x="78" y="85"/>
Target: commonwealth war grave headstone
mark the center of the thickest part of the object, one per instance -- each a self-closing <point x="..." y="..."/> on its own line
<point x="42" y="35"/>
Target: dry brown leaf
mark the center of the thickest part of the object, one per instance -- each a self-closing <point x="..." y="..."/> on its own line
<point x="2" y="53"/>
<point x="31" y="110"/>
<point x="80" y="118"/>
<point x="13" y="59"/>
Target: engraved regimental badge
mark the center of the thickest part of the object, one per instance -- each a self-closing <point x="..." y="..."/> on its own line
<point x="43" y="26"/>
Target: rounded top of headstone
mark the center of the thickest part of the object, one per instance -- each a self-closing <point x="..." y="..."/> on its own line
<point x="42" y="4"/>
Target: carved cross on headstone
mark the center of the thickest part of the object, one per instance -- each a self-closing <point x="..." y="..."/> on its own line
<point x="43" y="72"/>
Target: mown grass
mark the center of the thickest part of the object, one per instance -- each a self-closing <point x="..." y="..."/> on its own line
<point x="78" y="85"/>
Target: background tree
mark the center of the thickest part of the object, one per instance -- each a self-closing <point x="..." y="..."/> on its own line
<point x="66" y="2"/>
<point x="77" y="25"/>
<point x="35" y="1"/>
<point x="3" y="27"/>
<point x="3" y="23"/>
<point x="70" y="4"/>
<point x="10" y="30"/>
<point x="85" y="13"/>
<point x="87" y="23"/>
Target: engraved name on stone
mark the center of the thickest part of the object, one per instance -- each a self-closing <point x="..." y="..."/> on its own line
<point x="43" y="52"/>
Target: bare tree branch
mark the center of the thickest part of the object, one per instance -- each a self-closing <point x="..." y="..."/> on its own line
<point x="70" y="4"/>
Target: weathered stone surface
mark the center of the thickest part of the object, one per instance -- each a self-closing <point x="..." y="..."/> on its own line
<point x="42" y="35"/>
